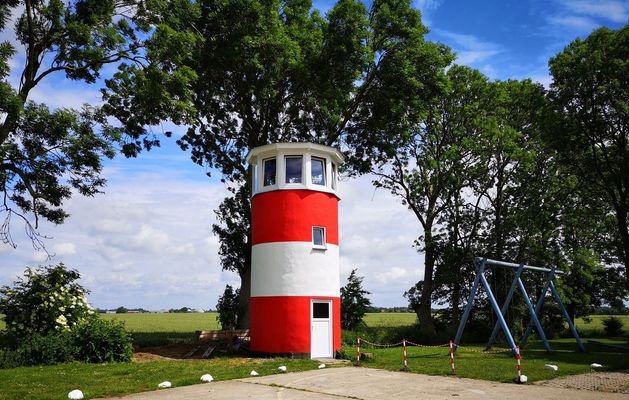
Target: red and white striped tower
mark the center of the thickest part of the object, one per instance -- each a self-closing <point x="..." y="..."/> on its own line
<point x="295" y="286"/>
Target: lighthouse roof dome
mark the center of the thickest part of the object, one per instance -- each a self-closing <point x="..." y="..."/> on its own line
<point x="298" y="147"/>
<point x="294" y="166"/>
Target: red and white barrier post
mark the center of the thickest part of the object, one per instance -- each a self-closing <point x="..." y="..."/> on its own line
<point x="452" y="371"/>
<point x="517" y="353"/>
<point x="405" y="359"/>
<point x="358" y="351"/>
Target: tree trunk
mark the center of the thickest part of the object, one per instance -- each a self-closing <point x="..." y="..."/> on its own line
<point x="456" y="298"/>
<point x="243" y="299"/>
<point x="621" y="218"/>
<point x="424" y="314"/>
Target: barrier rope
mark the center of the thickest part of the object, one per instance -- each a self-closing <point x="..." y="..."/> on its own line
<point x="493" y="351"/>
<point x="451" y="345"/>
<point x="382" y="345"/>
<point x="427" y="345"/>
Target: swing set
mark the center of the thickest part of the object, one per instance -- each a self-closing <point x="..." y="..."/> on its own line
<point x="483" y="264"/>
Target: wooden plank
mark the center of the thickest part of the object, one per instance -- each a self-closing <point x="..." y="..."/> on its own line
<point x="208" y="352"/>
<point x="191" y="352"/>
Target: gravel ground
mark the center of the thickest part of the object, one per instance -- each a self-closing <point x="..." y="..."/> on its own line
<point x="610" y="382"/>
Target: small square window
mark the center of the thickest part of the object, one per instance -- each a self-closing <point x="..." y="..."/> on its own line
<point x="317" y="166"/>
<point x="321" y="310"/>
<point x="318" y="237"/>
<point x="293" y="169"/>
<point x="269" y="172"/>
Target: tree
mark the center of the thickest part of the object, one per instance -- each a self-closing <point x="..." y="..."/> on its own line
<point x="241" y="75"/>
<point x="590" y="129"/>
<point x="122" y="310"/>
<point x="430" y="168"/>
<point x="354" y="302"/>
<point x="228" y="308"/>
<point x="47" y="155"/>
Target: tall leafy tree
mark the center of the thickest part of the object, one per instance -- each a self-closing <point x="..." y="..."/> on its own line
<point x="244" y="74"/>
<point x="590" y="95"/>
<point x="354" y="302"/>
<point x="429" y="169"/>
<point x="49" y="154"/>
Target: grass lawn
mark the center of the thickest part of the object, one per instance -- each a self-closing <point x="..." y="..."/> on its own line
<point x="103" y="380"/>
<point x="166" y="322"/>
<point x="472" y="362"/>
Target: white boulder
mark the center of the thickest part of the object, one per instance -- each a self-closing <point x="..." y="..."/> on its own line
<point x="207" y="378"/>
<point x="165" y="385"/>
<point x="523" y="379"/>
<point x="596" y="365"/>
<point x="551" y="367"/>
<point x="282" y="368"/>
<point x="76" y="394"/>
<point x="254" y="373"/>
<point x="321" y="366"/>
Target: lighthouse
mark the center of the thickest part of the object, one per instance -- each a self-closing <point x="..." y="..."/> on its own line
<point x="295" y="287"/>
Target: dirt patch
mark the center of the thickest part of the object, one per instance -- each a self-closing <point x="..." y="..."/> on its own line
<point x="177" y="352"/>
<point x="610" y="382"/>
<point x="170" y="352"/>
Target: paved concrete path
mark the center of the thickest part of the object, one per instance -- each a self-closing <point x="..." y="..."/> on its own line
<point x="367" y="384"/>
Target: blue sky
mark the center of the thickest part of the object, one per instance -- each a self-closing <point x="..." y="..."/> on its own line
<point x="147" y="241"/>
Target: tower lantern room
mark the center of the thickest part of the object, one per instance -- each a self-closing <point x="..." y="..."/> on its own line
<point x="295" y="287"/>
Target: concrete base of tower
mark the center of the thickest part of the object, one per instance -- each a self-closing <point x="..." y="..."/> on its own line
<point x="282" y="325"/>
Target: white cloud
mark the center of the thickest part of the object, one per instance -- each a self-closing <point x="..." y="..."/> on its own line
<point x="609" y="10"/>
<point x="427" y="7"/>
<point x="573" y="22"/>
<point x="469" y="48"/>
<point x="65" y="248"/>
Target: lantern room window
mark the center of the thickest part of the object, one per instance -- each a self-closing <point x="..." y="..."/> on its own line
<point x="334" y="176"/>
<point x="318" y="237"/>
<point x="270" y="175"/>
<point x="293" y="169"/>
<point x="318" y="171"/>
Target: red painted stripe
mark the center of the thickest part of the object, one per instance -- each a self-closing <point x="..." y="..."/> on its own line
<point x="289" y="215"/>
<point x="282" y="324"/>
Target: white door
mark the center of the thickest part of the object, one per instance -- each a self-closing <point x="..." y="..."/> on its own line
<point x="321" y="329"/>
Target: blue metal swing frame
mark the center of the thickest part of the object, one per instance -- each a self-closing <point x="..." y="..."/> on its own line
<point x="481" y="266"/>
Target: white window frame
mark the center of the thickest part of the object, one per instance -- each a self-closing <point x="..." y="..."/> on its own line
<point x="303" y="167"/>
<point x="325" y="170"/>
<point x="264" y="171"/>
<point x="315" y="245"/>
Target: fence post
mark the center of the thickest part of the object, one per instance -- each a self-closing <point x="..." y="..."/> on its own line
<point x="358" y="351"/>
<point x="517" y="350"/>
<point x="452" y="370"/>
<point x="405" y="358"/>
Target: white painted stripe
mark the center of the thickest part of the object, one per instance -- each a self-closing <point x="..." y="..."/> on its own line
<point x="294" y="269"/>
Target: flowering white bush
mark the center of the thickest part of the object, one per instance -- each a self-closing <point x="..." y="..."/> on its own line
<point x="45" y="300"/>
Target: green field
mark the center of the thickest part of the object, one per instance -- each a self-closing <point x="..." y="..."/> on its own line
<point x="167" y="322"/>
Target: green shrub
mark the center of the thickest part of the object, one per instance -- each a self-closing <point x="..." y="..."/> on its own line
<point x="228" y="308"/>
<point x="48" y="321"/>
<point x="98" y="341"/>
<point x="46" y="300"/>
<point x="612" y="326"/>
<point x="37" y="349"/>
